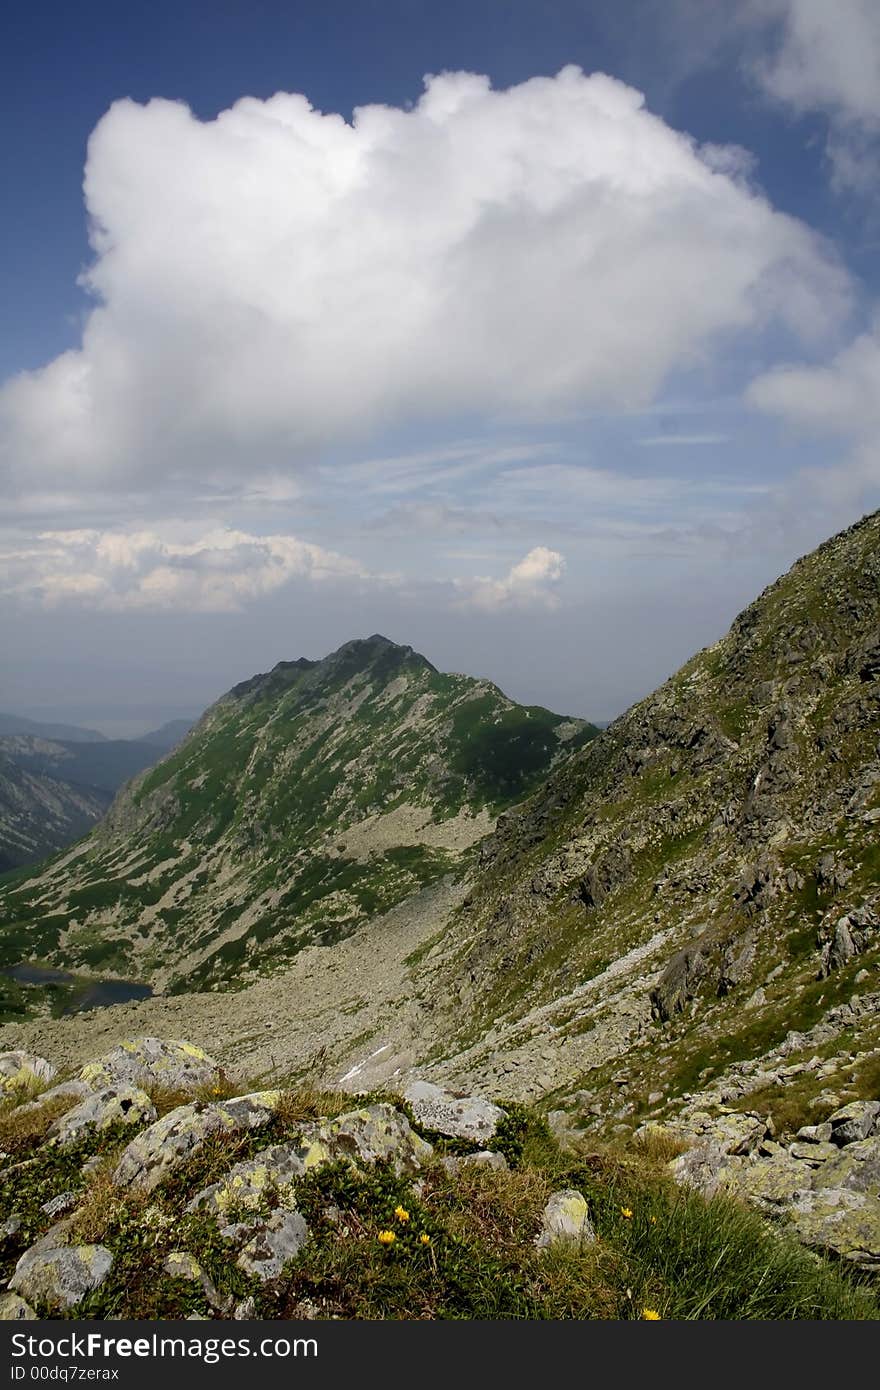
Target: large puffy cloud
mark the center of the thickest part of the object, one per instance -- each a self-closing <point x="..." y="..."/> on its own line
<point x="530" y="583"/>
<point x="278" y="280"/>
<point x="828" y="59"/>
<point x="168" y="567"/>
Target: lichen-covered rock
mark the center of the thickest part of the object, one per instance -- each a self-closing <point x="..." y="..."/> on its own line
<point x="274" y="1242"/>
<point x="59" y="1277"/>
<point x="840" y="1222"/>
<point x="60" y="1205"/>
<point x="246" y="1184"/>
<point x="855" y="1167"/>
<point x="99" y="1110"/>
<point x="156" y="1152"/>
<point x="737" y="1132"/>
<point x="14" y="1309"/>
<point x="20" y="1071"/>
<point x="180" y="1264"/>
<point x="566" y="1218"/>
<point x="700" y="1167"/>
<point x="181" y="1066"/>
<point x="376" y="1133"/>
<point x="459" y="1117"/>
<point x="854" y="1121"/>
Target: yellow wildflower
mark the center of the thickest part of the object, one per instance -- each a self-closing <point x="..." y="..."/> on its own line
<point x="653" y="1221"/>
<point x="424" y="1238"/>
<point x="387" y="1237"/>
<point x="401" y="1213"/>
<point x="650" y="1315"/>
<point x="626" y="1211"/>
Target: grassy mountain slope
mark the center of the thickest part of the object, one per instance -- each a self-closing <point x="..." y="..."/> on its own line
<point x="305" y="801"/>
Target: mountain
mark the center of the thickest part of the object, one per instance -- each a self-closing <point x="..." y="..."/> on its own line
<point x="693" y="897"/>
<point x="38" y="812"/>
<point x="54" y="790"/>
<point x="304" y="802"/>
<point x="168" y="735"/>
<point x="71" y="733"/>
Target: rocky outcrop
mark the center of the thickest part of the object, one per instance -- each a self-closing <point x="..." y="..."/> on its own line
<point x="825" y="1183"/>
<point x="459" y="1117"/>
<point x="176" y="1065"/>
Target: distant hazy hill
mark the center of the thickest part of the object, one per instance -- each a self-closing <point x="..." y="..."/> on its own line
<point x="303" y="802"/>
<point x="71" y="733"/>
<point x="53" y="790"/>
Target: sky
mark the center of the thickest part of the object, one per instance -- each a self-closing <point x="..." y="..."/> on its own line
<point x="539" y="336"/>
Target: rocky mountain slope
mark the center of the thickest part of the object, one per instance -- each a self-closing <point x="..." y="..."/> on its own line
<point x="306" y="801"/>
<point x="699" y="887"/>
<point x="53" y="790"/>
<point x="38" y="811"/>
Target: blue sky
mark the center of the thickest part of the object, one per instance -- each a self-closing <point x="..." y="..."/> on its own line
<point x="537" y="376"/>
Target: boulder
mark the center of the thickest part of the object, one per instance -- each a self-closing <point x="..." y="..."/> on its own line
<point x="58" y="1277"/>
<point x="153" y="1062"/>
<point x="485" y="1158"/>
<point x="855" y="1167"/>
<point x="273" y="1243"/>
<point x="156" y="1152"/>
<point x="840" y="1222"/>
<point x="458" y="1117"/>
<point x="100" y="1109"/>
<point x="376" y="1133"/>
<point x="854" y="1121"/>
<point x="566" y="1219"/>
<point x="247" y="1183"/>
<point x="14" y="1309"/>
<point x="22" y="1071"/>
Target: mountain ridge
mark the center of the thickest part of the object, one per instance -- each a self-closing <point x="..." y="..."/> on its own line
<point x="304" y="800"/>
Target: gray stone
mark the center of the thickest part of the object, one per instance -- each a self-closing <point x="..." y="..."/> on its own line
<point x="125" y="1105"/>
<point x="58" y="1278"/>
<point x="247" y="1184"/>
<point x="153" y="1062"/>
<point x="815" y="1134"/>
<point x="14" y="1309"/>
<point x="23" y="1071"/>
<point x="855" y="1167"/>
<point x="840" y="1222"/>
<point x="60" y="1205"/>
<point x="165" y="1145"/>
<point x="375" y="1133"/>
<point x="566" y="1219"/>
<point x="854" y="1121"/>
<point x="275" y="1242"/>
<point x="700" y="1167"/>
<point x="458" y="1117"/>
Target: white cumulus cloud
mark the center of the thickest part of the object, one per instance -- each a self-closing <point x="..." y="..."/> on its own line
<point x="278" y="280"/>
<point x="530" y="583"/>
